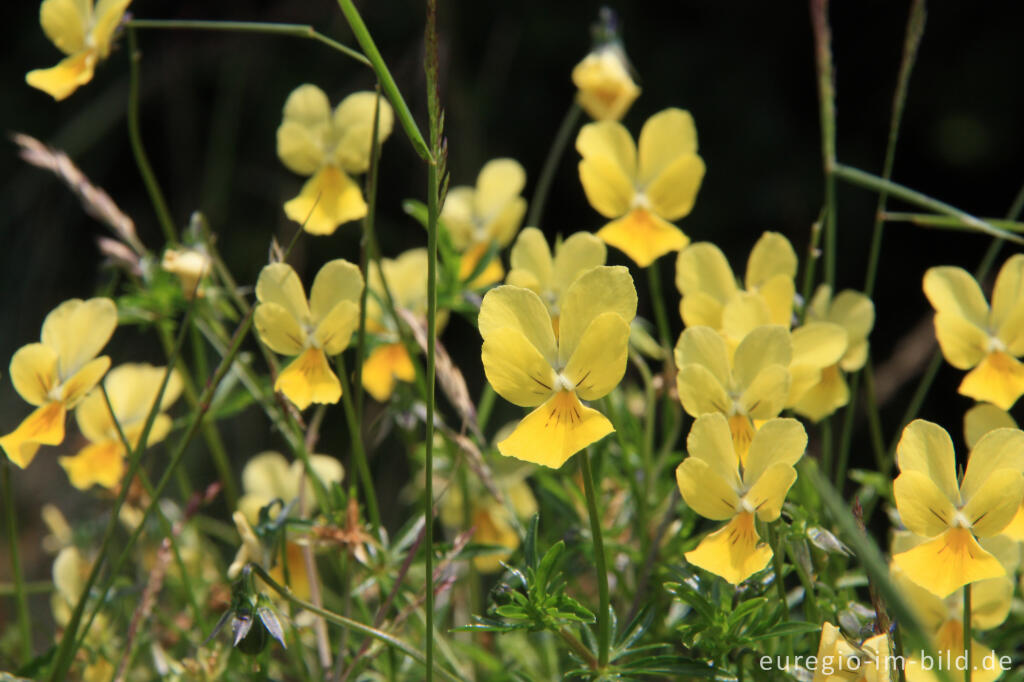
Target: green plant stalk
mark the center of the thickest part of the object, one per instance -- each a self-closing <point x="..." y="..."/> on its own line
<point x="603" y="622"/>
<point x="34" y="587"/>
<point x="827" y="114"/>
<point x="387" y="83"/>
<point x="882" y="461"/>
<point x="775" y="542"/>
<point x="810" y="599"/>
<point x="846" y="435"/>
<point x="946" y="222"/>
<point x="578" y="648"/>
<point x="810" y="265"/>
<point x="485" y="406"/>
<point x="826" y="446"/>
<point x="20" y="593"/>
<point x="156" y="196"/>
<point x="292" y="30"/>
<point x="210" y="433"/>
<point x="660" y="314"/>
<point x="647" y="451"/>
<point x="358" y="447"/>
<point x="547" y="172"/>
<point x="968" y="635"/>
<point x="68" y="644"/>
<point x="897" y="644"/>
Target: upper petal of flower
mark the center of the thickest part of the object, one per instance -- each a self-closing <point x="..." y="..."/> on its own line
<point x="531" y="255"/>
<point x="132" y="389"/>
<point x="499" y="182"/>
<point x="769" y="492"/>
<point x="994" y="502"/>
<point x="777" y="441"/>
<point x="666" y="137"/>
<point x="522" y="310"/>
<point x="353" y="126"/>
<point x="34" y="372"/>
<point x="338" y="280"/>
<point x="1001" y="448"/>
<point x="923" y="507"/>
<point x="106" y="19"/>
<point x="673" y="191"/>
<point x="608" y="189"/>
<point x="334" y="331"/>
<point x="704" y="491"/>
<point x="700" y="391"/>
<point x="581" y="252"/>
<point x="457" y="216"/>
<point x="765" y="346"/>
<point x="78" y="330"/>
<point x="704" y="346"/>
<point x="515" y="368"/>
<point x="267" y="476"/>
<point x="65" y="23"/>
<point x="702" y="267"/>
<point x="981" y="419"/>
<point x="1008" y="293"/>
<point x="603" y="289"/>
<point x="279" y="329"/>
<point x="772" y="255"/>
<point x="278" y="283"/>
<point x="710" y="441"/>
<point x="926" y="448"/>
<point x="303" y="131"/>
<point x="556" y="431"/>
<point x="327" y="469"/>
<point x="963" y="344"/>
<point x="84" y="380"/>
<point x="744" y="313"/>
<point x="597" y="364"/>
<point x="778" y="293"/>
<point x="953" y="290"/>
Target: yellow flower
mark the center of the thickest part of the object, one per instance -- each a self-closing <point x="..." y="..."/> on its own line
<point x="480" y="217"/>
<point x="533" y="267"/>
<point x="268" y="476"/>
<point x="81" y="31"/>
<point x="751" y="384"/>
<point x="329" y="147"/>
<point x="389" y="361"/>
<point x="190" y="265"/>
<point x="973" y="335"/>
<point x="720" y="486"/>
<point x="605" y="88"/>
<point x="527" y="366"/>
<point x="132" y="390"/>
<point x="711" y="296"/>
<point x="840" y="661"/>
<point x="56" y="375"/>
<point x="932" y="505"/>
<point x="978" y="421"/>
<point x="642" y="190"/>
<point x="312" y="330"/>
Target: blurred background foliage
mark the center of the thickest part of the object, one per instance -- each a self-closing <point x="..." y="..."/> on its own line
<point x="211" y="103"/>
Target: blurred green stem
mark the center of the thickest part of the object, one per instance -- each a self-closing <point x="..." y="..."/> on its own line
<point x="20" y="593"/>
<point x="968" y="635"/>
<point x="660" y="314"/>
<point x="355" y="428"/>
<point x="547" y="173"/>
<point x="603" y="622"/>
<point x="827" y="114"/>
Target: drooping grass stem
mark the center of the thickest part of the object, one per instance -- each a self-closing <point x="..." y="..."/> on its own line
<point x="603" y="622"/>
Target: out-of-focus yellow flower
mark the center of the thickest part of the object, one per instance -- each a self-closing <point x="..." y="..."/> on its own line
<point x="70" y="571"/>
<point x="978" y="421"/>
<point x="312" y="330"/>
<point x="484" y="216"/>
<point x="269" y="476"/>
<point x="973" y="335"/>
<point x="606" y="90"/>
<point x="190" y="265"/>
<point x="643" y="189"/>
<point x="932" y="505"/>
<point x="330" y="148"/>
<point x="752" y="384"/>
<point x="838" y="660"/>
<point x="389" y="361"/>
<point x="56" y="374"/>
<point x="133" y="390"/>
<point x="81" y="31"/>
<point x="720" y="486"/>
<point x="528" y="366"/>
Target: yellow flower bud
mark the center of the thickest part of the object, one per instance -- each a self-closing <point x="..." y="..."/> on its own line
<point x="606" y="90"/>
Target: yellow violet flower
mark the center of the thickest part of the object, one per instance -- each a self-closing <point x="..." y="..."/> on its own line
<point x="56" y="374"/>
<point x="133" y="390"/>
<point x="838" y="660"/>
<point x="389" y="361"/>
<point x="642" y="189"/>
<point x="488" y="214"/>
<point x="269" y="476"/>
<point x="534" y="268"/>
<point x="712" y="297"/>
<point x="84" y="33"/>
<point x="974" y="336"/>
<point x="720" y="486"/>
<point x="313" y="330"/>
<point x="952" y="516"/>
<point x="190" y="266"/>
<point x="751" y="384"/>
<point x="528" y="366"/>
<point x="330" y="148"/>
<point x="606" y="90"/>
<point x="978" y="421"/>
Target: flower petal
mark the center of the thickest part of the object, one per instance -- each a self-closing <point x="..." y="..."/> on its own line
<point x="824" y="397"/>
<point x="701" y="310"/>
<point x="611" y="141"/>
<point x="643" y="236"/>
<point x="769" y="492"/>
<point x="45" y="426"/>
<point x="502" y="227"/>
<point x="926" y="448"/>
<point x="779" y="292"/>
<point x="665" y="138"/>
<point x="266" y="476"/>
<point x="385" y="364"/>
<point x="338" y="280"/>
<point x="744" y="313"/>
<point x="522" y="310"/>
<point x="309" y="379"/>
<point x="60" y="81"/>
<point x="949" y="562"/>
<point x="581" y="252"/>
<point x="279" y="284"/>
<point x="1008" y="292"/>
<point x="710" y="441"/>
<point x="84" y="380"/>
<point x="923" y="507"/>
<point x="981" y="419"/>
<point x="1001" y="448"/>
<point x="766" y="395"/>
<point x="771" y="256"/>
<point x="608" y="190"/>
<point x="34" y="372"/>
<point x="499" y="182"/>
<point x="603" y="289"/>
<point x="963" y="344"/>
<point x="279" y="330"/>
<point x="954" y="291"/>
<point x="335" y="330"/>
<point x="65" y="23"/>
<point x="703" y="268"/>
<point x="492" y="272"/>
<point x="78" y="330"/>
<point x="327" y="200"/>
<point x="96" y="464"/>
<point x="673" y="191"/>
<point x="990" y="602"/>
<point x="764" y="347"/>
<point x="995" y="502"/>
<point x="516" y="369"/>
<point x="457" y="216"/>
<point x="303" y="129"/>
<point x="606" y="90"/>
<point x="704" y="491"/>
<point x="531" y="254"/>
<point x="734" y="553"/>
<point x="998" y="379"/>
<point x="704" y="346"/>
<point x="106" y="18"/>
<point x="353" y="124"/>
<point x="556" y="431"/>
<point x="777" y="441"/>
<point x="700" y="391"/>
<point x="598" y="363"/>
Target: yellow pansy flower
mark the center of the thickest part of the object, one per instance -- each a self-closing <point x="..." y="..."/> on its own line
<point x="528" y="366"/>
<point x="751" y="384"/>
<point x="534" y="268"/>
<point x="330" y="148"/>
<point x="389" y="361"/>
<point x="712" y="297"/>
<point x="838" y="660"/>
<point x="643" y="189"/>
<point x="312" y="330"/>
<point x="720" y="486"/>
<point x="84" y="33"/>
<point x="133" y="390"/>
<point x="268" y="476"/>
<point x="978" y="421"/>
<point x="952" y="516"/>
<point x="855" y="314"/>
<point x="973" y="335"/>
<point x="488" y="214"/>
<point x="56" y="374"/>
<point x="605" y="88"/>
<point x="190" y="265"/>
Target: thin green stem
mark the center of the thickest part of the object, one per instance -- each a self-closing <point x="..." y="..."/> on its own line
<point x="846" y="435"/>
<point x="658" y="301"/>
<point x="20" y="593"/>
<point x="547" y="172"/>
<point x="292" y="30"/>
<point x="578" y="648"/>
<point x="387" y="83"/>
<point x="968" y="635"/>
<point x="485" y="406"/>
<point x="603" y="622"/>
<point x="34" y="587"/>
<point x="826" y="446"/>
<point x="897" y="644"/>
<point x="217" y="450"/>
<point x="810" y="600"/>
<point x="156" y="196"/>
<point x="875" y="421"/>
<point x="827" y="114"/>
<point x="775" y="541"/>
<point x="355" y="428"/>
<point x="945" y="222"/>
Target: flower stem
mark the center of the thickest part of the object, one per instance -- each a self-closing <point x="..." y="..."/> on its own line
<point x="827" y="113"/>
<point x="968" y="635"/>
<point x="547" y="173"/>
<point x="355" y="428"/>
<point x="20" y="593"/>
<point x="660" y="314"/>
<point x="603" y="622"/>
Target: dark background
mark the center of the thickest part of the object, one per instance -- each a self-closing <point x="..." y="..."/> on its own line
<point x="212" y="102"/>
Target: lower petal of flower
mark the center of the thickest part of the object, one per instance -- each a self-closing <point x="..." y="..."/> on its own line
<point x="45" y="426"/>
<point x="556" y="431"/>
<point x="492" y="273"/>
<point x="643" y="236"/>
<point x="742" y="430"/>
<point x="949" y="562"/>
<point x="734" y="553"/>
<point x="384" y="365"/>
<point x="949" y="644"/>
<point x="998" y="379"/>
<point x="309" y="379"/>
<point x="62" y="80"/>
<point x="96" y="464"/>
<point x="825" y="397"/>
<point x="327" y="200"/>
